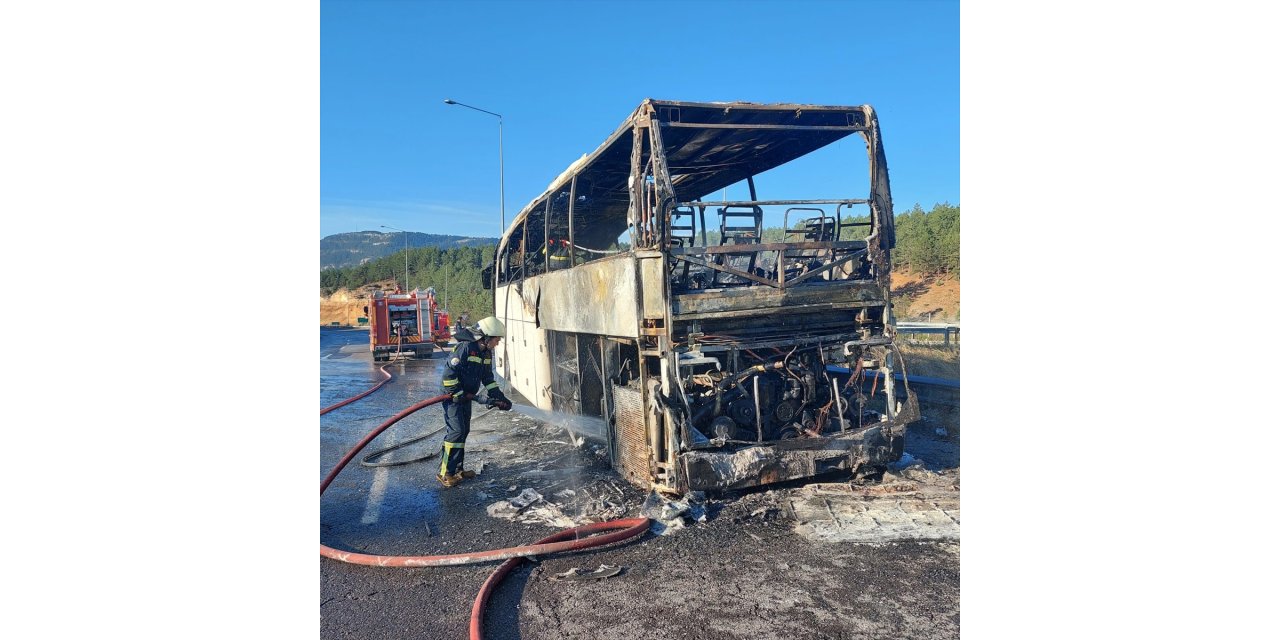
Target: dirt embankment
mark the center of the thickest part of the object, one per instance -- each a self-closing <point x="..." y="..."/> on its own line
<point x="345" y="307"/>
<point x="925" y="297"/>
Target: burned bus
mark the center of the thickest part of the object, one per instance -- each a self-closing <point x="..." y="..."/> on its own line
<point x="720" y="344"/>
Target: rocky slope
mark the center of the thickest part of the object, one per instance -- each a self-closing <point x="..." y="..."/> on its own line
<point x="346" y="307"/>
<point x="925" y="298"/>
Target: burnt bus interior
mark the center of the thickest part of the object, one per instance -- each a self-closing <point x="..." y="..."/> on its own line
<point x="741" y="357"/>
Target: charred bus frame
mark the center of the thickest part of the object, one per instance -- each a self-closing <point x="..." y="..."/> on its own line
<point x="714" y="359"/>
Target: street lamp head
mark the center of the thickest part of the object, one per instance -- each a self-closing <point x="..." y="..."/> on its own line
<point x="502" y="197"/>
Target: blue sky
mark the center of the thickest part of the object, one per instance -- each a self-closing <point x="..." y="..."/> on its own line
<point x="564" y="75"/>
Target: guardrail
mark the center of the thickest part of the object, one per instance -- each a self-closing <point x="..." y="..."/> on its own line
<point x="937" y="391"/>
<point x="946" y="329"/>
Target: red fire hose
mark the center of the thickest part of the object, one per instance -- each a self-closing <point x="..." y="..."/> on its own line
<point x="566" y="540"/>
<point x="348" y="401"/>
<point x="633" y="527"/>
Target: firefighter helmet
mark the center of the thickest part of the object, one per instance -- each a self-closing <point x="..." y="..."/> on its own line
<point x="492" y="327"/>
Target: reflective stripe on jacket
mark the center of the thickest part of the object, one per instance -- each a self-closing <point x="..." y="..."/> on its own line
<point x="469" y="369"/>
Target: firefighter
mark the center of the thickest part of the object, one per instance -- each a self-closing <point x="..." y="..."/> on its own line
<point x="559" y="253"/>
<point x="470" y="367"/>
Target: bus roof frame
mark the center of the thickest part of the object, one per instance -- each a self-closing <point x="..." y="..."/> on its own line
<point x="709" y="146"/>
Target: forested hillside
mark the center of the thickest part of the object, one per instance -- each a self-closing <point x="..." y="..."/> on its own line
<point x="429" y="267"/>
<point x="928" y="246"/>
<point x="929" y="242"/>
<point x="350" y="249"/>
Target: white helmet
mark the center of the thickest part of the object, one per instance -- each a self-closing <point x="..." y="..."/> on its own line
<point x="492" y="327"/>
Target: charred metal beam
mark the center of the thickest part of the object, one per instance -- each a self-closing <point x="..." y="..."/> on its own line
<point x="573" y="195"/>
<point x="769" y="246"/>
<point x="747" y="203"/>
<point x="749" y="313"/>
<point x="748" y="343"/>
<point x="757" y="300"/>
<point x="756" y="398"/>
<point x="727" y="268"/>
<point x="827" y="267"/>
<point x="783" y="127"/>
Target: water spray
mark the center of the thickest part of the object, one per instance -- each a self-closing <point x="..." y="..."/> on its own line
<point x="580" y="428"/>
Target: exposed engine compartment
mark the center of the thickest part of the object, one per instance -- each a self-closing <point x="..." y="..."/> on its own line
<point x="790" y="395"/>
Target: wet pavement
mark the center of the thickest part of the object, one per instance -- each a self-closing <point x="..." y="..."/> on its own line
<point x="753" y="567"/>
<point x="363" y="504"/>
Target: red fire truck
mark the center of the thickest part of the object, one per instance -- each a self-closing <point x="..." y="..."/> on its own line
<point x="408" y="324"/>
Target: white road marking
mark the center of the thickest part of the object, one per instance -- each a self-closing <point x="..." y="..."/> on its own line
<point x="376" y="493"/>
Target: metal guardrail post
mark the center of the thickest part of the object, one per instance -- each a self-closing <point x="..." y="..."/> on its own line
<point x="930" y="327"/>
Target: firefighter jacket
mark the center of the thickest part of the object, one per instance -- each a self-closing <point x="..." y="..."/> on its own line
<point x="559" y="253"/>
<point x="470" y="368"/>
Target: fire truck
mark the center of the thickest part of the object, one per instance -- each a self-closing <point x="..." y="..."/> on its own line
<point x="407" y="324"/>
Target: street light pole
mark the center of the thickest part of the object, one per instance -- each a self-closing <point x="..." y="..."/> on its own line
<point x="502" y="195"/>
<point x="406" y="254"/>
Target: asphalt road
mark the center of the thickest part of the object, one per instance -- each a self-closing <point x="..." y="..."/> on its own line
<point x="762" y="565"/>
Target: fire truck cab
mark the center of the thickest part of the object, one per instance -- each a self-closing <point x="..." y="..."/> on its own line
<point x="408" y="324"/>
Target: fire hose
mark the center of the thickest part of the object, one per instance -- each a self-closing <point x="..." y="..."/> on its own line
<point x="567" y="540"/>
<point x="367" y="461"/>
<point x="348" y="401"/>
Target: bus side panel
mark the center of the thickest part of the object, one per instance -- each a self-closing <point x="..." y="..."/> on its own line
<point x="652" y="276"/>
<point x="597" y="298"/>
<point x="522" y="356"/>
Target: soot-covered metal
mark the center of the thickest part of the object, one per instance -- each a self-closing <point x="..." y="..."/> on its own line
<point x="711" y="344"/>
